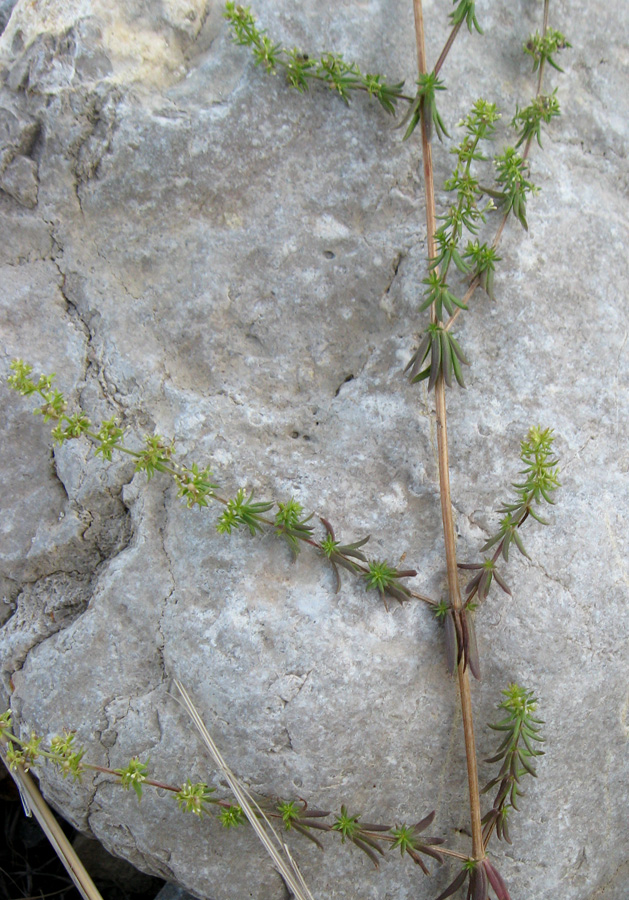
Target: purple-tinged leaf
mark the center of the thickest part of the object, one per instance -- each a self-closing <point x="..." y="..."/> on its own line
<point x="315" y="813"/>
<point x="446" y="359"/>
<point x="503" y="584"/>
<point x="430" y="851"/>
<point x="527" y="765"/>
<point x="435" y="361"/>
<point x="469" y="587"/>
<point x="490" y="785"/>
<point x="478" y="881"/>
<point x="309" y="823"/>
<point x="421" y="376"/>
<point x="337" y="576"/>
<point x="458" y="372"/>
<point x="414" y="855"/>
<point x="490" y="543"/>
<point x="494" y="759"/>
<point x="454" y="885"/>
<point x="307" y="834"/>
<point x="496" y="881"/>
<point x="457" y="349"/>
<point x="472" y="647"/>
<point x="418" y="357"/>
<point x="484" y="584"/>
<point x="520" y="545"/>
<point x="362" y="844"/>
<point x="425" y="822"/>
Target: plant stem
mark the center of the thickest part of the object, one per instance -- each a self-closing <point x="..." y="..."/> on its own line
<point x="446" y="47"/>
<point x="478" y="849"/>
<point x="543" y="59"/>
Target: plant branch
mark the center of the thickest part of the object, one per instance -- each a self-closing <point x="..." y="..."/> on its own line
<point x="444" y="474"/>
<point x="446" y="47"/>
<point x="475" y="282"/>
<point x="543" y="59"/>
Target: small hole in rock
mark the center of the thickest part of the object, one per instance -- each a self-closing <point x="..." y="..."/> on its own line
<point x="307" y="437"/>
<point x="328" y="254"/>
<point x="294" y="434"/>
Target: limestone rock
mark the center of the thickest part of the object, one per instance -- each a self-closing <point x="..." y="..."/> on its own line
<point x="18" y="133"/>
<point x="19" y="179"/>
<point x="220" y="259"/>
<point x="6" y="8"/>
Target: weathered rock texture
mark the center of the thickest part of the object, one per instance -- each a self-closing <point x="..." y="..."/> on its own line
<point x="197" y="249"/>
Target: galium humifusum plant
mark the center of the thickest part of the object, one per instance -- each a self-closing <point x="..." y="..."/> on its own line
<point x="480" y="187"/>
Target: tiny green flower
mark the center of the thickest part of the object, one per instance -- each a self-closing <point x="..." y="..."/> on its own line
<point x="71" y="427"/>
<point x="15" y="757"/>
<point x="193" y="798"/>
<point x="300" y="818"/>
<point x="66" y="756"/>
<point x="31" y="750"/>
<point x="133" y="775"/>
<point x="110" y="435"/>
<point x="20" y="380"/>
<point x="528" y="121"/>
<point x="380" y="575"/>
<point x="195" y="485"/>
<point x="54" y="405"/>
<point x="157" y="453"/>
<point x="544" y="47"/>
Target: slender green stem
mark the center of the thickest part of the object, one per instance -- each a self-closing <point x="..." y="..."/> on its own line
<point x="468" y="166"/>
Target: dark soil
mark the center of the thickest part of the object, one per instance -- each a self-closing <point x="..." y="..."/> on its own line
<point x="30" y="868"/>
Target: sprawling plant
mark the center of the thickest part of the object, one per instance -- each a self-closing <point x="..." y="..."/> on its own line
<point x="462" y="256"/>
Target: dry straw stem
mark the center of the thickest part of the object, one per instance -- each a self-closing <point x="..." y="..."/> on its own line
<point x="282" y="859"/>
<point x="34" y="803"/>
<point x="478" y="849"/>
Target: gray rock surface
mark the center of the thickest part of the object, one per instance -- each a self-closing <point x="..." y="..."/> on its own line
<point x="195" y="248"/>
